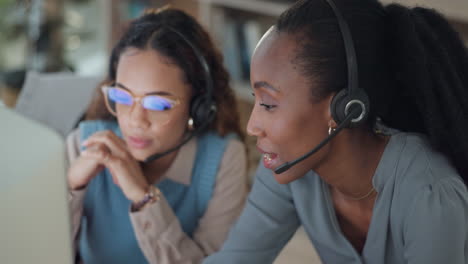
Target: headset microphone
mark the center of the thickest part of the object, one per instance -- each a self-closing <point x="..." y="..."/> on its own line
<point x="349" y="107"/>
<point x="285" y="166"/>
<point x="192" y="134"/>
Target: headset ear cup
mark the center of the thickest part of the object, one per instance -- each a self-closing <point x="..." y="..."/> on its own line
<point x="195" y="111"/>
<point x="337" y="106"/>
<point x="360" y="99"/>
<point x="341" y="101"/>
<point x="200" y="109"/>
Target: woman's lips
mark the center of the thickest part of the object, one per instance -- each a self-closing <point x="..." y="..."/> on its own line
<point x="270" y="160"/>
<point x="138" y="143"/>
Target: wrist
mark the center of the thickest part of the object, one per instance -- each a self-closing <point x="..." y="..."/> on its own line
<point x="138" y="194"/>
<point x="152" y="195"/>
<point x="76" y="186"/>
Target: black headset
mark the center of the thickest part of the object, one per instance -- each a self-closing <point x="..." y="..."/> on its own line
<point x="347" y="99"/>
<point x="202" y="106"/>
<point x="350" y="106"/>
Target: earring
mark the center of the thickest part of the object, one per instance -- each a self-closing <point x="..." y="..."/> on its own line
<point x="190" y="124"/>
<point x="331" y="129"/>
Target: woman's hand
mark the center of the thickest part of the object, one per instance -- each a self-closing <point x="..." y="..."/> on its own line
<point x="107" y="149"/>
<point x="83" y="169"/>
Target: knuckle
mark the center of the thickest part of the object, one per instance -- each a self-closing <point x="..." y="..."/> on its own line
<point x="119" y="162"/>
<point x="101" y="154"/>
<point x="107" y="133"/>
<point x="127" y="155"/>
<point x="104" y="148"/>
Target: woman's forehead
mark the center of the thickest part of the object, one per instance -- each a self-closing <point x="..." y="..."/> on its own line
<point x="146" y="71"/>
<point x="272" y="62"/>
<point x="275" y="46"/>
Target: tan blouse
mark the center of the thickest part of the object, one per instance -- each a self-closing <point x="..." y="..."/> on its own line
<point x="157" y="229"/>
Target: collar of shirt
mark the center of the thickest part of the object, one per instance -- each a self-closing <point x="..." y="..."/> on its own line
<point x="389" y="160"/>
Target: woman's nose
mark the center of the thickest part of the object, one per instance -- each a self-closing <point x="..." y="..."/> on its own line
<point x="139" y="116"/>
<point x="254" y="127"/>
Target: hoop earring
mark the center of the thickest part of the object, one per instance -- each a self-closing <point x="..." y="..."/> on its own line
<point x="190" y="124"/>
<point x="330" y="130"/>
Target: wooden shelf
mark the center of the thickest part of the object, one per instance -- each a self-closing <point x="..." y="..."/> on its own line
<point x="260" y="7"/>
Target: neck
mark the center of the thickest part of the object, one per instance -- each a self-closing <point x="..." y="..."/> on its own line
<point x="354" y="157"/>
<point x="154" y="170"/>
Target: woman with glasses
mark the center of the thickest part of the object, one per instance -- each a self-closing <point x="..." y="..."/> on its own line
<point x="158" y="169"/>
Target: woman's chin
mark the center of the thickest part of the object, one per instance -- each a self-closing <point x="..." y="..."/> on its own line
<point x="140" y="155"/>
<point x="284" y="178"/>
<point x="290" y="175"/>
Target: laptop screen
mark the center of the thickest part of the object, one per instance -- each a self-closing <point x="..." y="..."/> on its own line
<point x="34" y="225"/>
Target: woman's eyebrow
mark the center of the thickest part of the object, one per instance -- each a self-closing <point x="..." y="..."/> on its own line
<point x="263" y="84"/>
<point x="165" y="93"/>
<point x="160" y="93"/>
<point x="122" y="86"/>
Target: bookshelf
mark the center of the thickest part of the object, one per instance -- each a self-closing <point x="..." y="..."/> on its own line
<point x="236" y="27"/>
<point x="263" y="7"/>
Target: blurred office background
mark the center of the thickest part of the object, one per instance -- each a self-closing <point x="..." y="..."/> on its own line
<point x="76" y="36"/>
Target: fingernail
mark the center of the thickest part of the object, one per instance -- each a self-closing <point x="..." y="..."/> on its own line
<point x="84" y="143"/>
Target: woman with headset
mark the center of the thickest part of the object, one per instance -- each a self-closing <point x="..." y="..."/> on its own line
<point x="158" y="169"/>
<point x="361" y="113"/>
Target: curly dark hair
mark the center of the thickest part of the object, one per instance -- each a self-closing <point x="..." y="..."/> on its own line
<point x="412" y="64"/>
<point x="154" y="30"/>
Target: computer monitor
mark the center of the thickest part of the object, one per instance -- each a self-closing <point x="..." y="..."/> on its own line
<point x="34" y="215"/>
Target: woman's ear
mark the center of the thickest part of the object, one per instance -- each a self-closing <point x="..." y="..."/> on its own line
<point x="328" y="113"/>
<point x="332" y="124"/>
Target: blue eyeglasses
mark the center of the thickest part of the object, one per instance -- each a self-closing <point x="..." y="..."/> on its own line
<point x="119" y="100"/>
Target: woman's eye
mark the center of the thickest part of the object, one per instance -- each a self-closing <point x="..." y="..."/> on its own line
<point x="267" y="106"/>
